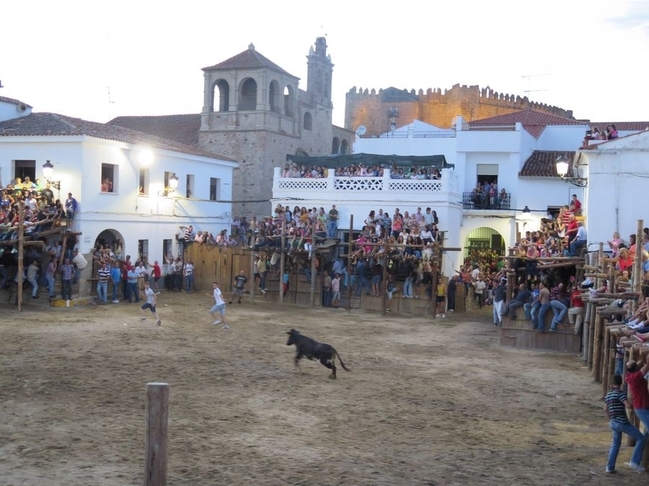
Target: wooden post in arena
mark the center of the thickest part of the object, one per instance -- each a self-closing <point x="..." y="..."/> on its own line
<point x="21" y="248"/>
<point x="314" y="275"/>
<point x="383" y="286"/>
<point x="637" y="264"/>
<point x="282" y="263"/>
<point x="157" y="415"/>
<point x="252" y="276"/>
<point x="350" y="250"/>
<point x="597" y="345"/>
<point x="432" y="308"/>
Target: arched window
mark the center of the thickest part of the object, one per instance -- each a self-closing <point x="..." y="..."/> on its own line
<point x="308" y="121"/>
<point x="335" y="146"/>
<point x="344" y="147"/>
<point x="224" y="95"/>
<point x="248" y="101"/>
<point x="273" y="96"/>
<point x="288" y="101"/>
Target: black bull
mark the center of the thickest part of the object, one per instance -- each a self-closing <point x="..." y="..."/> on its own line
<point x="312" y="349"/>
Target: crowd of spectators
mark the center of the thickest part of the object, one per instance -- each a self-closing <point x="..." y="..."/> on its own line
<point x="361" y="170"/>
<point x="42" y="212"/>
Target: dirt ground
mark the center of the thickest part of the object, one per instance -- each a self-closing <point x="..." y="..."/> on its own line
<point x="426" y="403"/>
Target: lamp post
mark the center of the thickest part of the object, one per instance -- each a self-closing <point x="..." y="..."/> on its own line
<point x="48" y="172"/>
<point x="562" y="166"/>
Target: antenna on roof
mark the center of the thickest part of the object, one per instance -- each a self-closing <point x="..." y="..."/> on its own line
<point x="1" y="84"/>
<point x="110" y="102"/>
<point x="529" y="77"/>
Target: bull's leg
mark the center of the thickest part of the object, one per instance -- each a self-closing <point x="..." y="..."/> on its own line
<point x="297" y="359"/>
<point x="329" y="363"/>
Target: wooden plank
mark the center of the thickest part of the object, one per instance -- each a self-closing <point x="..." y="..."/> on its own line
<point x="156" y="413"/>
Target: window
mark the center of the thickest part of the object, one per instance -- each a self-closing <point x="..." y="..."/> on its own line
<point x="224" y="95"/>
<point x="344" y="147"/>
<point x="109" y="176"/>
<point x="144" y="182"/>
<point x="288" y="101"/>
<point x="335" y="146"/>
<point x="248" y="99"/>
<point x="143" y="249"/>
<point x="189" y="186"/>
<point x="308" y="121"/>
<point x="167" y="255"/>
<point x="24" y="169"/>
<point x="215" y="189"/>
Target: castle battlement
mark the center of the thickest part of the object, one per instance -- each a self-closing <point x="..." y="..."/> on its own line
<point x="370" y="107"/>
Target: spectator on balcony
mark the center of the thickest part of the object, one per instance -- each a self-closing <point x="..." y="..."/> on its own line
<point x="611" y="132"/>
<point x="476" y="197"/>
<point x="503" y="199"/>
<point x="397" y="223"/>
<point x="575" y="205"/>
<point x="332" y="222"/>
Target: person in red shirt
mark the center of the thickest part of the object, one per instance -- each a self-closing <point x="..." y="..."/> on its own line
<point x="157" y="273"/>
<point x="636" y="379"/>
<point x="575" y="205"/>
<point x="576" y="310"/>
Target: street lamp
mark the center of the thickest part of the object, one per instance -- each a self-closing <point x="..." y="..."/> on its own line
<point x="563" y="163"/>
<point x="48" y="172"/>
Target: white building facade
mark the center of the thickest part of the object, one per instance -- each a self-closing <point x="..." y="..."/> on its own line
<point x="140" y="209"/>
<point x="516" y="151"/>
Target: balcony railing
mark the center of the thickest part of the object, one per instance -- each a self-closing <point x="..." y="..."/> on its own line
<point x="471" y="200"/>
<point x="357" y="184"/>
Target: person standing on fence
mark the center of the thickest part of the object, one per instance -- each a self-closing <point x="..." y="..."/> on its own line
<point x="636" y="380"/>
<point x="615" y="405"/>
<point x="239" y="286"/>
<point x="218" y="307"/>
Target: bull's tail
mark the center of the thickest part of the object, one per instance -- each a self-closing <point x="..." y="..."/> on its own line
<point x="341" y="362"/>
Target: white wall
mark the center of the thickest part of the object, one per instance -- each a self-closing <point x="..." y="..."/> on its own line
<point x="77" y="164"/>
<point x="618" y="175"/>
<point x="9" y="110"/>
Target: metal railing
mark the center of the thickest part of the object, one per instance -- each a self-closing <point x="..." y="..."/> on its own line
<point x="472" y="200"/>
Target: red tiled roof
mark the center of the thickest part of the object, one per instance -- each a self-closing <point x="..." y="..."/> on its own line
<point x="180" y="128"/>
<point x="534" y="122"/>
<point x="248" y="59"/>
<point x="543" y="163"/>
<point x="52" y="124"/>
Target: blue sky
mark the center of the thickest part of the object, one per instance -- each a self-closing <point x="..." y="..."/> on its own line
<point x="65" y="56"/>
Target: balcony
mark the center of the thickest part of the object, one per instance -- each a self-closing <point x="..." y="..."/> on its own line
<point x="477" y="201"/>
<point x="362" y="187"/>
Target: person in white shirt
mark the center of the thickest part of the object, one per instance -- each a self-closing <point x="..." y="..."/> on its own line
<point x="151" y="298"/>
<point x="580" y="240"/>
<point x="219" y="306"/>
<point x="478" y="290"/>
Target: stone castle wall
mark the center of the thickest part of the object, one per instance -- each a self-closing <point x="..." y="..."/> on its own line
<point x="371" y="108"/>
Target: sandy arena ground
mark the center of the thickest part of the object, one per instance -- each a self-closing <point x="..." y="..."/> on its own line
<point x="427" y="402"/>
